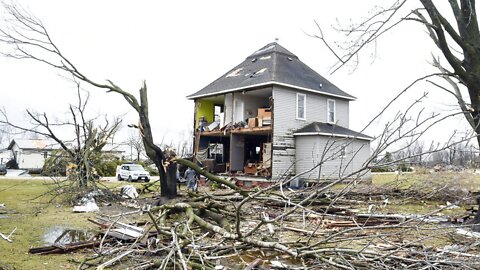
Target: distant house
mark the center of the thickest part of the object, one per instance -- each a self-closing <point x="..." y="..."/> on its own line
<point x="30" y="154"/>
<point x="5" y="155"/>
<point x="274" y="116"/>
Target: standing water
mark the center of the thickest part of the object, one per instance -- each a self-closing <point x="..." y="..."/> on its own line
<point x="62" y="235"/>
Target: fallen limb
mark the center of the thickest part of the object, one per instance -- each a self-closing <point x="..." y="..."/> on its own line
<point x="112" y="261"/>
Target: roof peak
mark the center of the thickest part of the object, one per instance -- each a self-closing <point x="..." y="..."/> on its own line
<point x="272" y="47"/>
<point x="271" y="65"/>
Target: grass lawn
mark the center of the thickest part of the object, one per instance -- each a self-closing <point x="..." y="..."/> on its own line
<point x="33" y="218"/>
<point x="467" y="180"/>
<point x="443" y="182"/>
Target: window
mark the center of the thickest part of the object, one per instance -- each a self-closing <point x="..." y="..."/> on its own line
<point x="331" y="111"/>
<point x="301" y="106"/>
<point x="45" y="154"/>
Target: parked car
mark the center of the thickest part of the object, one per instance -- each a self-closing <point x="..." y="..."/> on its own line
<point x="132" y="172"/>
<point x="3" y="169"/>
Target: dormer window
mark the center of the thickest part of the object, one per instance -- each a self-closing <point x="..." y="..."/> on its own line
<point x="331" y="111"/>
<point x="301" y="106"/>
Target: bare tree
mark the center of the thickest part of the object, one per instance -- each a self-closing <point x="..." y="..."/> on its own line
<point x="185" y="145"/>
<point x="88" y="138"/>
<point x="29" y="39"/>
<point x="135" y="143"/>
<point x="457" y="39"/>
<point x="5" y="132"/>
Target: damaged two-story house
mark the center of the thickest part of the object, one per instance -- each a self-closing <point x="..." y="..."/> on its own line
<point x="273" y="116"/>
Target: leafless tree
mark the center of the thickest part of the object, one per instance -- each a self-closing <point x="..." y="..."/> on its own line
<point x="185" y="145"/>
<point x="27" y="38"/>
<point x="4" y="132"/>
<point x="87" y="138"/>
<point x="456" y="38"/>
<point x="135" y="143"/>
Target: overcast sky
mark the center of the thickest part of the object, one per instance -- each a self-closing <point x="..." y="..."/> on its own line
<point x="179" y="47"/>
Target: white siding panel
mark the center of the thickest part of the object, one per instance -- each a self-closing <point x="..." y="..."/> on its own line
<point x="285" y="123"/>
<point x="31" y="159"/>
<point x="313" y="150"/>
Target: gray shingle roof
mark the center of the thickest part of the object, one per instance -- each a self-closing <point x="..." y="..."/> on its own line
<point x="272" y="64"/>
<point x="319" y="128"/>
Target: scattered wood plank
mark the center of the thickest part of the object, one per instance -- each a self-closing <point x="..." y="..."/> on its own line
<point x="59" y="249"/>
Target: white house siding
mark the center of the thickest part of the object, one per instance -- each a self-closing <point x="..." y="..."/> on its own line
<point x="5" y="156"/>
<point x="285" y="123"/>
<point x="31" y="159"/>
<point x="313" y="149"/>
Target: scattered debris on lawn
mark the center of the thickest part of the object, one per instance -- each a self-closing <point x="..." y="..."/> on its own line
<point x="62" y="235"/>
<point x="4" y="211"/>
<point x="58" y="248"/>
<point x="8" y="237"/>
<point x="270" y="228"/>
<point x="129" y="192"/>
<point x="467" y="233"/>
<point x="158" y="237"/>
<point x="86" y="205"/>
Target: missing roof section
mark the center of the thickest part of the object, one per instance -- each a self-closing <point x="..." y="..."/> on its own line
<point x="235" y="73"/>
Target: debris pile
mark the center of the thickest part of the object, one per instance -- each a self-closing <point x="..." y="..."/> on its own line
<point x="263" y="229"/>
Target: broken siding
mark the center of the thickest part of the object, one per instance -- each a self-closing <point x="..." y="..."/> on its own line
<point x="316" y="149"/>
<point x="283" y="148"/>
<point x="285" y="123"/>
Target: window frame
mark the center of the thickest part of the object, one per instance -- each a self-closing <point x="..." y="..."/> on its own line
<point x="304" y="107"/>
<point x="334" y="111"/>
